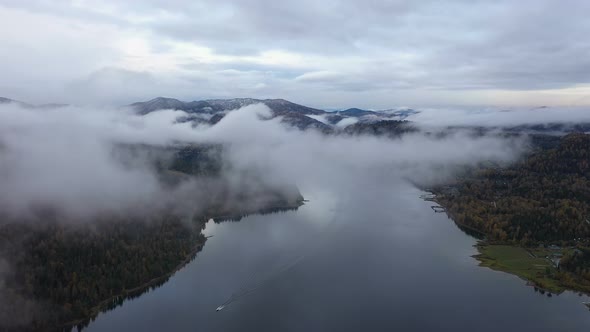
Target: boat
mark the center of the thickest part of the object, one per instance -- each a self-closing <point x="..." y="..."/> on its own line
<point x="220" y="308"/>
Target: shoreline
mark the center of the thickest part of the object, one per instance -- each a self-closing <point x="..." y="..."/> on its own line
<point x="103" y="305"/>
<point x="433" y="197"/>
<point x="494" y="263"/>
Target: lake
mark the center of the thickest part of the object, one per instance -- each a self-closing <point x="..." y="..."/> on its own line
<point x="378" y="259"/>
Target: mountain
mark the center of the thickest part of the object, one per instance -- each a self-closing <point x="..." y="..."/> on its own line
<point x="401" y="114"/>
<point x="355" y="112"/>
<point x="334" y="118"/>
<point x="157" y="104"/>
<point x="278" y="106"/>
<point x="388" y="122"/>
<point x="27" y="105"/>
<point x="213" y="110"/>
<point x="388" y="128"/>
<point x="551" y="127"/>
<point x="281" y="107"/>
<point x="12" y="101"/>
<point x="397" y="114"/>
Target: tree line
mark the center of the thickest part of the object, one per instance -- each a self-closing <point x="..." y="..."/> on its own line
<point x="542" y="200"/>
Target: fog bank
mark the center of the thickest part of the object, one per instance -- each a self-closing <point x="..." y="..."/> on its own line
<point x="66" y="158"/>
<point x="494" y="117"/>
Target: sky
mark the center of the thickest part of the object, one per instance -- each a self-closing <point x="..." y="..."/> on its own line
<point x="326" y="54"/>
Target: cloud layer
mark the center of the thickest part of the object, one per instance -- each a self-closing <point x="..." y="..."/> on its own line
<point x="67" y="158"/>
<point x="494" y="117"/>
<point x="326" y="54"/>
<point x="67" y="164"/>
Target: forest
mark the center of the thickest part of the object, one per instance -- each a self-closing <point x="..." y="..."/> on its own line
<point x="66" y="272"/>
<point x="58" y="274"/>
<point x="542" y="200"/>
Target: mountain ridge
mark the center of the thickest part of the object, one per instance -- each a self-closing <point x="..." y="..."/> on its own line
<point x="390" y="122"/>
<point x="4" y="100"/>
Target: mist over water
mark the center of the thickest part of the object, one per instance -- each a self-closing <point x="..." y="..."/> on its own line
<point x="343" y="115"/>
<point x="79" y="163"/>
<point x="65" y="158"/>
<point x="501" y="117"/>
<point x="375" y="259"/>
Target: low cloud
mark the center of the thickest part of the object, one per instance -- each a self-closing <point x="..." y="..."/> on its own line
<point x="71" y="159"/>
<point x="312" y="159"/>
<point x="86" y="164"/>
<point x="319" y="76"/>
<point x="497" y="117"/>
<point x="67" y="157"/>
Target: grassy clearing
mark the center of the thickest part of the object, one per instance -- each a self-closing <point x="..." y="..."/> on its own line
<point x="528" y="265"/>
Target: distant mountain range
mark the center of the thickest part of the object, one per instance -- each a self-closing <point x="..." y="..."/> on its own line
<point x="353" y="121"/>
<point x="213" y="110"/>
<point x="299" y="116"/>
<point x="27" y="105"/>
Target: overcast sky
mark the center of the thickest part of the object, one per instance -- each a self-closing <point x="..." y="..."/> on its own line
<point x="328" y="54"/>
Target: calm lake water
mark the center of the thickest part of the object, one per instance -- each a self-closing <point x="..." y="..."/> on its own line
<point x="378" y="260"/>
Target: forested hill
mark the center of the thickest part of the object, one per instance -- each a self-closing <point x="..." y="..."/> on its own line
<point x="572" y="157"/>
<point x="57" y="273"/>
<point x="542" y="201"/>
<point x="544" y="198"/>
<point x="388" y="128"/>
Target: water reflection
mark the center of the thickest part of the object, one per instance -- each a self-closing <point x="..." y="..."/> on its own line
<point x="377" y="260"/>
<point x="119" y="300"/>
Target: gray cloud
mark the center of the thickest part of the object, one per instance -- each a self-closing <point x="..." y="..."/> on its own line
<point x="493" y="117"/>
<point x="379" y="49"/>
